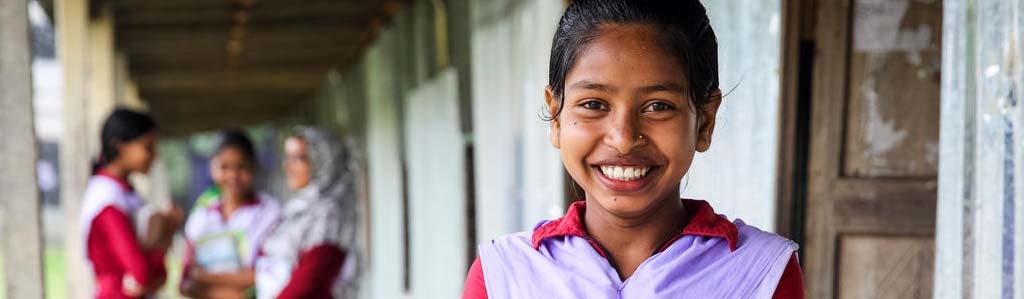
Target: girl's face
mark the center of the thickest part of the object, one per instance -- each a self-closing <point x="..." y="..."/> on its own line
<point x="232" y="172"/>
<point x="628" y="131"/>
<point x="296" y="163"/>
<point x="138" y="154"/>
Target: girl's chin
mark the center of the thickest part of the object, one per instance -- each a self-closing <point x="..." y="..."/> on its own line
<point x="627" y="206"/>
<point x="232" y="192"/>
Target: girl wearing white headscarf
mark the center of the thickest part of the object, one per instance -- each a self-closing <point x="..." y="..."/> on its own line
<point x="310" y="253"/>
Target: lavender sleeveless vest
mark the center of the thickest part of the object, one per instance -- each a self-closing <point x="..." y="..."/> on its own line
<point x="692" y="267"/>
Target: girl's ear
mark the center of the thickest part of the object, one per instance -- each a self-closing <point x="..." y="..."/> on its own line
<point x="707" y="120"/>
<point x="118" y="147"/>
<point x="556" y="125"/>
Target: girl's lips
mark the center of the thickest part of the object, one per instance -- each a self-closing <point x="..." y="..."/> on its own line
<point x="625" y="186"/>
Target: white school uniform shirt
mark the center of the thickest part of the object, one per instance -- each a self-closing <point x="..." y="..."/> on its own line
<point x="254" y="220"/>
<point x="103" y="191"/>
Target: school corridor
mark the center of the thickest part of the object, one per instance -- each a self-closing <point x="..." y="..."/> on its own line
<point x="883" y="136"/>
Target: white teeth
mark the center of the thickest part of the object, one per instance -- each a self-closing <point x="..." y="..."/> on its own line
<point x="624" y="173"/>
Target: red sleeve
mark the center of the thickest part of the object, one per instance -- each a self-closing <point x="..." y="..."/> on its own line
<point x="475" y="287"/>
<point x="315" y="273"/>
<point x="791" y="285"/>
<point x="144" y="267"/>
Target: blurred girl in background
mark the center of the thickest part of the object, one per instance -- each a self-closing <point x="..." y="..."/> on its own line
<point x="310" y="253"/>
<point x="223" y="235"/>
<point x="125" y="248"/>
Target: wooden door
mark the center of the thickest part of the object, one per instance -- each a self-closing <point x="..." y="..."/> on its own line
<point x="873" y="156"/>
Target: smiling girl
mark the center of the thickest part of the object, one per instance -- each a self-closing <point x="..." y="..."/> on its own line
<point x="223" y="238"/>
<point x="632" y="96"/>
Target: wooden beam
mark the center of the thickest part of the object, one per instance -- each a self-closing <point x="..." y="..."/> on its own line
<point x="212" y="107"/>
<point x="213" y="4"/>
<point x="177" y="122"/>
<point x="218" y="44"/>
<point x="134" y="41"/>
<point x="21" y="234"/>
<point x="183" y="101"/>
<point x="185" y="51"/>
<point x="128" y="37"/>
<point x="254" y="58"/>
<point x="262" y="79"/>
<point x="339" y="17"/>
<point x="229" y="91"/>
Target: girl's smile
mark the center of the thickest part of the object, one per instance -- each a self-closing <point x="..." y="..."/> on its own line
<point x="626" y="174"/>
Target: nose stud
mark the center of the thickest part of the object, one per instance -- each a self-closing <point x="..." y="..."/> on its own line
<point x="640" y="137"/>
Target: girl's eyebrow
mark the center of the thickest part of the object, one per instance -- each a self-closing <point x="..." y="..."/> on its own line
<point x="666" y="86"/>
<point x="587" y="84"/>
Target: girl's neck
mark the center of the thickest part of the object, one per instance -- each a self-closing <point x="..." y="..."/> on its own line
<point x="630" y="241"/>
<point x="117" y="170"/>
<point x="231" y="202"/>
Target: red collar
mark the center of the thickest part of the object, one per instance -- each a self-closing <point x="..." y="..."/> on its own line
<point x="119" y="180"/>
<point x="702" y="222"/>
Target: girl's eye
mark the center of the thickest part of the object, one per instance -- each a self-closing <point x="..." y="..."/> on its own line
<point x="658" y="107"/>
<point x="593" y="105"/>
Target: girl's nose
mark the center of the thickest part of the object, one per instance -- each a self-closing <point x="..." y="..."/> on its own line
<point x="624" y="134"/>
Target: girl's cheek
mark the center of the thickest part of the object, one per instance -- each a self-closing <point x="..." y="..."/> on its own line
<point x="247" y="179"/>
<point x="580" y="128"/>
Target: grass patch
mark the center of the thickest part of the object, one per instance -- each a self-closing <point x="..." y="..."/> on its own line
<point x="55" y="275"/>
<point x="55" y="278"/>
<point x="170" y="289"/>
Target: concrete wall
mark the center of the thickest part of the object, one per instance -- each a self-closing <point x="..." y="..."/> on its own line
<point x="738" y="173"/>
<point x="519" y="175"/>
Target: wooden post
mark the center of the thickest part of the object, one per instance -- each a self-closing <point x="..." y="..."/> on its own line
<point x="72" y="20"/>
<point x="20" y="205"/>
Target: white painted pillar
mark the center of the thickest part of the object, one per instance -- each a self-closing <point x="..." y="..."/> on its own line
<point x="20" y="236"/>
<point x="980" y="230"/>
<point x="100" y="75"/>
<point x="72" y="20"/>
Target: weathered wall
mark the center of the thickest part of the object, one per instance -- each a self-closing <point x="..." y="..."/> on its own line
<point x="981" y="209"/>
<point x="519" y="176"/>
<point x="738" y="174"/>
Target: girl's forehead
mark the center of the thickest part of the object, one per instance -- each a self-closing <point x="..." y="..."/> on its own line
<point x="294" y="143"/>
<point x="626" y="55"/>
<point x="641" y="34"/>
<point x="230" y="153"/>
